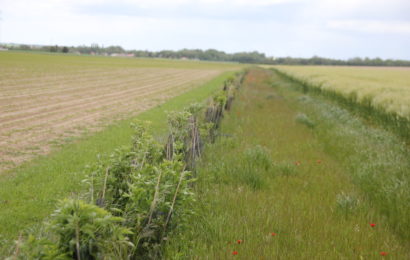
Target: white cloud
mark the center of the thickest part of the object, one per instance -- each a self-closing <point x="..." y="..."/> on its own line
<point x="349" y="9"/>
<point x="366" y="26"/>
<point x="279" y="27"/>
<point x="51" y="4"/>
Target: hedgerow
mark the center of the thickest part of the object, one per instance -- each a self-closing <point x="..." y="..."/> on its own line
<point x="136" y="197"/>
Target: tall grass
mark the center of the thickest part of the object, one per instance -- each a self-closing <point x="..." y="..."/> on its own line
<point x="297" y="197"/>
<point x="378" y="160"/>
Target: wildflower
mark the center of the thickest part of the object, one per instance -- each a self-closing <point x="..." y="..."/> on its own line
<point x="383" y="253"/>
<point x="372" y="224"/>
<point x="273" y="234"/>
<point x="234" y="252"/>
<point x="319" y="161"/>
<point x="239" y="241"/>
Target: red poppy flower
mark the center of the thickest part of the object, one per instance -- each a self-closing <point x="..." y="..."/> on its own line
<point x="239" y="241"/>
<point x="372" y="224"/>
<point x="234" y="252"/>
<point x="383" y="253"/>
<point x="273" y="234"/>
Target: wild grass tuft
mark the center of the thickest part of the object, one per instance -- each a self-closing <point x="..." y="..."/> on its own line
<point x="285" y="169"/>
<point x="304" y="119"/>
<point x="258" y="157"/>
<point x="346" y="203"/>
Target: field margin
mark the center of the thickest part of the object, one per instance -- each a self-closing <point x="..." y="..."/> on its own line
<point x="388" y="120"/>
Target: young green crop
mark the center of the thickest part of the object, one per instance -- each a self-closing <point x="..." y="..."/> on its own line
<point x="386" y="88"/>
<point x="380" y="94"/>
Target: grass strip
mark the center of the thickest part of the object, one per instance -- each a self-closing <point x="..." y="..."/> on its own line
<point x="272" y="187"/>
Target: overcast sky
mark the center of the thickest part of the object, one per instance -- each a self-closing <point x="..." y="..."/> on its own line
<point x="298" y="28"/>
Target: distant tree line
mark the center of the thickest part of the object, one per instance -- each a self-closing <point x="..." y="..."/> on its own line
<point x="41" y="48"/>
<point x="207" y="55"/>
<point x="261" y="58"/>
<point x="350" y="62"/>
<point x="212" y="55"/>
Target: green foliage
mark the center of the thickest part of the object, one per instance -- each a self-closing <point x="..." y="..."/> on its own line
<point x="140" y="192"/>
<point x="86" y="231"/>
<point x="144" y="188"/>
<point x="178" y="124"/>
<point x="220" y="99"/>
<point x="38" y="248"/>
<point x="77" y="230"/>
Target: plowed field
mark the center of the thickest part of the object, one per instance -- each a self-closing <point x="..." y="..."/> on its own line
<point x="46" y="100"/>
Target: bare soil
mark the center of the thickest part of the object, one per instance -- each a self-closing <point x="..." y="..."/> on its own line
<point x="40" y="109"/>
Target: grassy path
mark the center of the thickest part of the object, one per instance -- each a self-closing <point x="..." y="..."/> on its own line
<point x="270" y="189"/>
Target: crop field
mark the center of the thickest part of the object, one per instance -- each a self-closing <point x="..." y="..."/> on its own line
<point x="386" y="88"/>
<point x="46" y="100"/>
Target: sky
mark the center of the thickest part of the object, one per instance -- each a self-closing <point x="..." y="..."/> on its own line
<point x="299" y="28"/>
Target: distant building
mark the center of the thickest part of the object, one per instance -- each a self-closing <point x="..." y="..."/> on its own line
<point x="122" y="55"/>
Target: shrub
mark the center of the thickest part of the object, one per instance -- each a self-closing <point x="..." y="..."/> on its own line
<point x="86" y="231"/>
